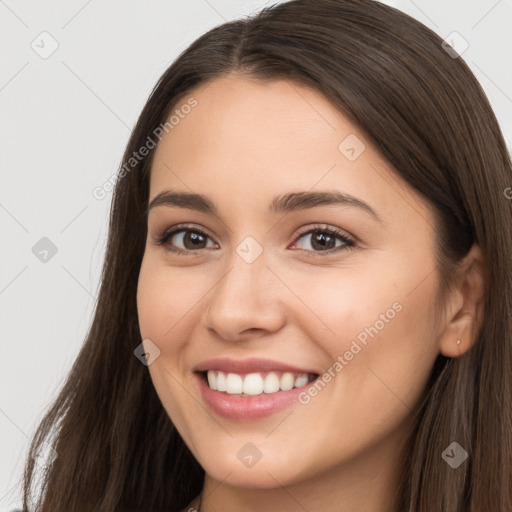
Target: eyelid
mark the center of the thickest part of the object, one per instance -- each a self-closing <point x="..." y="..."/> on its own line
<point x="327" y="228"/>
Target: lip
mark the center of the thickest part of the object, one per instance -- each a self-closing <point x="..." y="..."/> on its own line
<point x="236" y="407"/>
<point x="251" y="365"/>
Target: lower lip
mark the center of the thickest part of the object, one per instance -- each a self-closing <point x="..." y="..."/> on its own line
<point x="236" y="407"/>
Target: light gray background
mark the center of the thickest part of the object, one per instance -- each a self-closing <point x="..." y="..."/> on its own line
<point x="65" y="122"/>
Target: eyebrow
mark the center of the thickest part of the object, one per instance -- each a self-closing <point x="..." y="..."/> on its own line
<point x="286" y="203"/>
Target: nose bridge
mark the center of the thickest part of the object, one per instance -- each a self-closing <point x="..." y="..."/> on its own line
<point x="245" y="275"/>
<point x="240" y="300"/>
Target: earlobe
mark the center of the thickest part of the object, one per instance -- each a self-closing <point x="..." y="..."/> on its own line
<point x="466" y="318"/>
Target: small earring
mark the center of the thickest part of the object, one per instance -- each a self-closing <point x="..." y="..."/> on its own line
<point x="458" y="342"/>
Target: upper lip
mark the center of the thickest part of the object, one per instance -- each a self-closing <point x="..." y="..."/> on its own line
<point x="251" y="365"/>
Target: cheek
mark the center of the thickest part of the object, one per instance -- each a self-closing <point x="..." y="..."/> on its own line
<point x="379" y="328"/>
<point x="165" y="297"/>
<point x="345" y="306"/>
<point x="165" y="300"/>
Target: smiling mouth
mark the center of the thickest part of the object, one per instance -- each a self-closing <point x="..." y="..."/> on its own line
<point x="257" y="383"/>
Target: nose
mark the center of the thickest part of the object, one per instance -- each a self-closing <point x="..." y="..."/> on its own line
<point x="245" y="301"/>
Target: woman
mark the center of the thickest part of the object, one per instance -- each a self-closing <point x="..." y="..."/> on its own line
<point x="306" y="297"/>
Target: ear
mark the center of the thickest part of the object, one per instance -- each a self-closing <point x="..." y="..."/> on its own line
<point x="465" y="305"/>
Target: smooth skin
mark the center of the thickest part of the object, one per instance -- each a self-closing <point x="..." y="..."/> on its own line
<point x="245" y="143"/>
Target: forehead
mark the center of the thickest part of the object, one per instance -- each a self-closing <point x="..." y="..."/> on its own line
<point x="247" y="141"/>
<point x="239" y="118"/>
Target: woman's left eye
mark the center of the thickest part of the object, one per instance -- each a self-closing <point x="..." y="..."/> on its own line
<point x="325" y="238"/>
<point x="320" y="237"/>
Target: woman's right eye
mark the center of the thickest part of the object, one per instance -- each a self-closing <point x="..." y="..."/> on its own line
<point x="192" y="236"/>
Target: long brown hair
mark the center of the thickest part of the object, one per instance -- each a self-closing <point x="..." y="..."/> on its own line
<point x="425" y="111"/>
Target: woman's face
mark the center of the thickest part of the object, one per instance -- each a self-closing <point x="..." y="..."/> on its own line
<point x="355" y="308"/>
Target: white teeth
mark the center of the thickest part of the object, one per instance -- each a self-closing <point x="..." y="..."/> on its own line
<point x="220" y="381"/>
<point x="255" y="383"/>
<point x="233" y="384"/>
<point x="212" y="380"/>
<point x="271" y="384"/>
<point x="287" y="381"/>
<point x="299" y="381"/>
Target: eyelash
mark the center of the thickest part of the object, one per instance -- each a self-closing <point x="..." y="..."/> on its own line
<point x="167" y="235"/>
